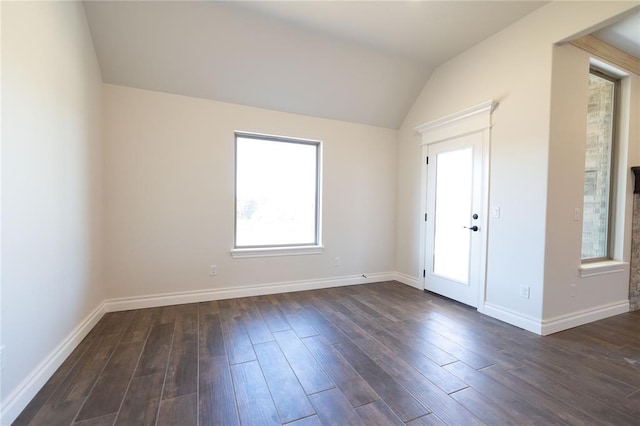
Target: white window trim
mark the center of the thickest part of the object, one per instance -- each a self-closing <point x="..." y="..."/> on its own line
<point x="605" y="267"/>
<point x="620" y="177"/>
<point x="276" y="251"/>
<point x="292" y="250"/>
<point x="613" y="168"/>
<point x="612" y="266"/>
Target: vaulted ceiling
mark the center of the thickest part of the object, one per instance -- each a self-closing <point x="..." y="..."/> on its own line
<point x="624" y="34"/>
<point x="358" y="61"/>
<point x="363" y="62"/>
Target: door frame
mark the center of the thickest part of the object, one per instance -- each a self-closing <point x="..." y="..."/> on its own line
<point x="476" y="119"/>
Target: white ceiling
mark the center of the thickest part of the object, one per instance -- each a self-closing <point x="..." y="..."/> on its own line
<point x="625" y="34"/>
<point x="358" y="61"/>
<point x="426" y="31"/>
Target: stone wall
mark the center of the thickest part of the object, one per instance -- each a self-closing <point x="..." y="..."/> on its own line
<point x="634" y="280"/>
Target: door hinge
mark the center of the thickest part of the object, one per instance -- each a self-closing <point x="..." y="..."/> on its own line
<point x="424" y="273"/>
<point x="425" y="217"/>
<point x="427" y="160"/>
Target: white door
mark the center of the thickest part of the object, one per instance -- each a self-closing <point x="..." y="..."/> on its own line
<point x="454" y="225"/>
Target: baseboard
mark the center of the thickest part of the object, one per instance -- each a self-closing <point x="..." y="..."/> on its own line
<point x="177" y="298"/>
<point x="511" y="317"/>
<point x="575" y="319"/>
<point x="18" y="399"/>
<point x="408" y="280"/>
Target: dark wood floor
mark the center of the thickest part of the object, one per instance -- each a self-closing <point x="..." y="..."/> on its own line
<point x="374" y="355"/>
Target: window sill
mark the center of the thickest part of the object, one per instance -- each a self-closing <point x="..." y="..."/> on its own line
<point x="602" y="268"/>
<point x="276" y="251"/>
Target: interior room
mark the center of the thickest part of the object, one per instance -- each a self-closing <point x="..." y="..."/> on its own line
<point x="125" y="128"/>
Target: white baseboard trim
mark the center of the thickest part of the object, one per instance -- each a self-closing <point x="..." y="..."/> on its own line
<point x="18" y="399"/>
<point x="559" y="323"/>
<point x="511" y="317"/>
<point x="575" y="319"/>
<point x="166" y="299"/>
<point x="408" y="280"/>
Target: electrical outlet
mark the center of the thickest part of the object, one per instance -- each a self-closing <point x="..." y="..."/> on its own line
<point x="2" y="356"/>
<point x="213" y="270"/>
<point x="336" y="261"/>
<point x="573" y="290"/>
<point x="525" y="290"/>
<point x="576" y="214"/>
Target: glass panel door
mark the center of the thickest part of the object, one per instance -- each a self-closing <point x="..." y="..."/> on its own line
<point x="454" y="218"/>
<point x="453" y="198"/>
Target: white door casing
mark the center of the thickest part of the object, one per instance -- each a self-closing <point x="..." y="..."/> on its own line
<point x="465" y="137"/>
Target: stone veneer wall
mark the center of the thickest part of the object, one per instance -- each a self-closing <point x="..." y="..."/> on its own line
<point x="634" y="280"/>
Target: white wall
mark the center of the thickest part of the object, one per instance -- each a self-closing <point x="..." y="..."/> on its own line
<point x="169" y="195"/>
<point x="566" y="173"/>
<point x="514" y="68"/>
<point x="51" y="183"/>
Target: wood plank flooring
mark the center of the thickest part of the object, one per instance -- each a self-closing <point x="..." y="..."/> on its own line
<point x="378" y="354"/>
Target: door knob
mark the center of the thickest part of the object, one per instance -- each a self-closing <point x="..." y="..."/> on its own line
<point x="473" y="228"/>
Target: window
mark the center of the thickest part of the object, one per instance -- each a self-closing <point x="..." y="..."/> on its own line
<point x="599" y="164"/>
<point x="277" y="195"/>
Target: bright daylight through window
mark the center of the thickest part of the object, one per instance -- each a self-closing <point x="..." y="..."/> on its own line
<point x="277" y="190"/>
<point x="599" y="167"/>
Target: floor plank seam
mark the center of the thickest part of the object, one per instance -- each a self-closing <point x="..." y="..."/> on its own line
<point x="634" y="394"/>
<point x="166" y="371"/>
<point x="98" y="377"/>
<point x="124" y="395"/>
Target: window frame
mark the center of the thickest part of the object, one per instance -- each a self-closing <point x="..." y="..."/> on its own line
<point x="314" y="247"/>
<point x="613" y="166"/>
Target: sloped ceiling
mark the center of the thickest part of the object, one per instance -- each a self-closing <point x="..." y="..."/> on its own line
<point x="363" y="62"/>
<point x="624" y="35"/>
